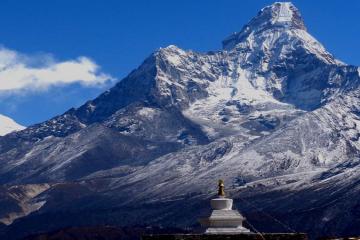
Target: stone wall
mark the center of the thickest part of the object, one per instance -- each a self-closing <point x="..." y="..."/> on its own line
<point x="245" y="236"/>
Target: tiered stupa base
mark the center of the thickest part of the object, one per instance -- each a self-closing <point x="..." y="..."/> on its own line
<point x="227" y="231"/>
<point x="223" y="220"/>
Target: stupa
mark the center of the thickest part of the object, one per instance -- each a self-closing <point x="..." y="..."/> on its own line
<point x="225" y="223"/>
<point x="223" y="219"/>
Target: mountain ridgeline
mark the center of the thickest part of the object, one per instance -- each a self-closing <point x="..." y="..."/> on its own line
<point x="273" y="114"/>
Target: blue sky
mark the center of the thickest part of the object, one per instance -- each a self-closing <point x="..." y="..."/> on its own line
<point x="98" y="40"/>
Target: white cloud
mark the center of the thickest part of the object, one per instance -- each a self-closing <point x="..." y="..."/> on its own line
<point x="22" y="72"/>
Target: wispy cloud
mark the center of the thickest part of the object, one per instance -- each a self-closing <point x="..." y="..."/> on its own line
<point x="22" y="72"/>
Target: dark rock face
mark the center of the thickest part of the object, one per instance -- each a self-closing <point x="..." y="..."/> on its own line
<point x="273" y="114"/>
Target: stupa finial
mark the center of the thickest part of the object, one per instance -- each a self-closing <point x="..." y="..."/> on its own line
<point x="221" y="191"/>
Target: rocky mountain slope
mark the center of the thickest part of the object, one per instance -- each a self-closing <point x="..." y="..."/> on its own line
<point x="273" y="114"/>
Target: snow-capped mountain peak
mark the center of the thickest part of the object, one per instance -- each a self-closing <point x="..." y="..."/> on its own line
<point x="280" y="16"/>
<point x="8" y="125"/>
<point x="280" y="29"/>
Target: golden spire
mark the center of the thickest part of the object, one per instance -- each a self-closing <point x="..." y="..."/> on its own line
<point x="221" y="191"/>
